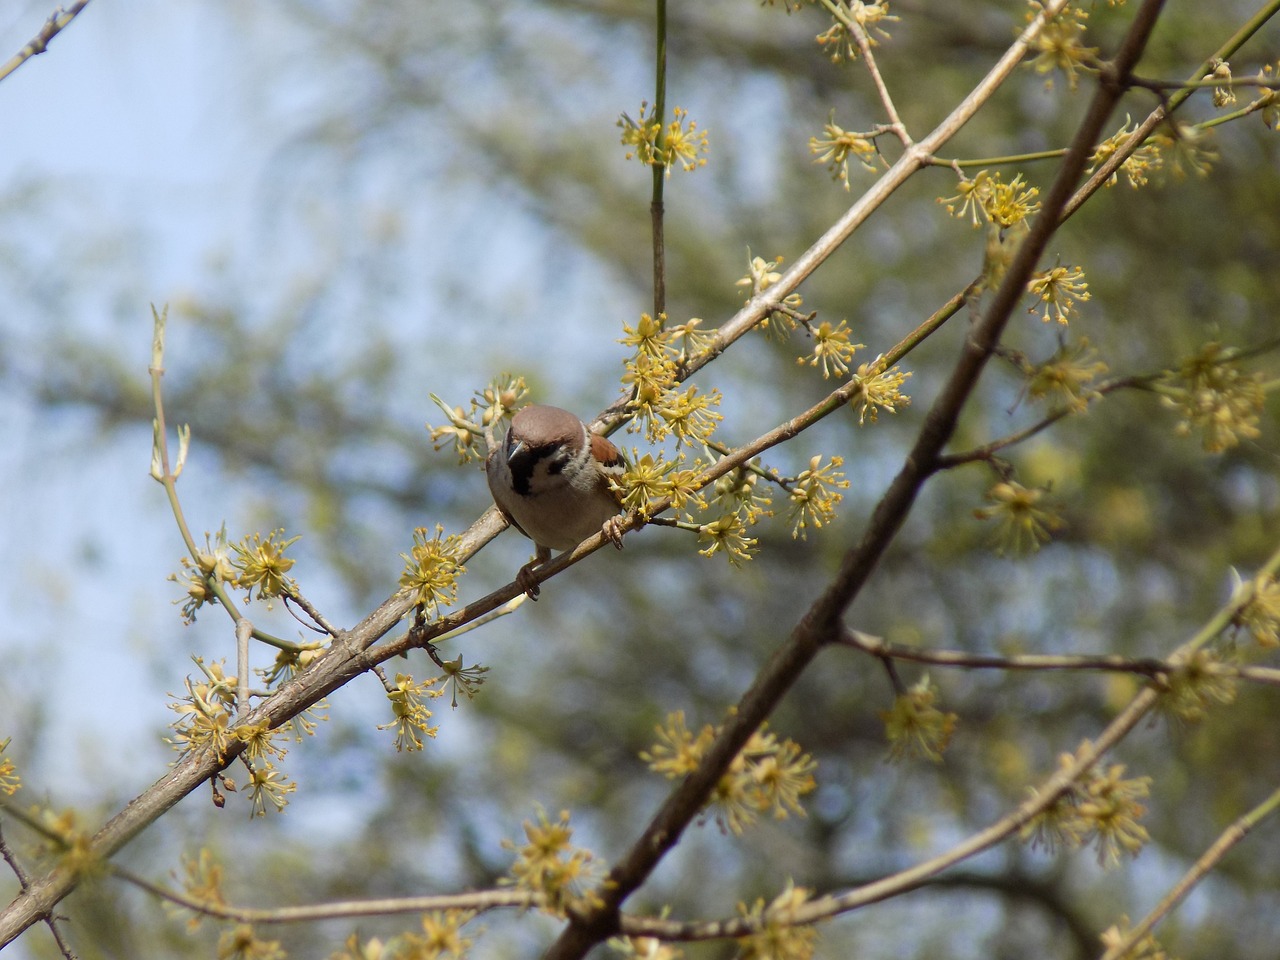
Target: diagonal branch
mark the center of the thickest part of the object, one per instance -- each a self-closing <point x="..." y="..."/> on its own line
<point x="821" y="624"/>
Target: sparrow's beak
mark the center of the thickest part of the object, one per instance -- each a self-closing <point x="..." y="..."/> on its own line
<point x="513" y="448"/>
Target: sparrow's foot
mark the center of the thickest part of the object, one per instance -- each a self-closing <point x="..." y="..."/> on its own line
<point x="525" y="579"/>
<point x="612" y="531"/>
<point x="526" y="582"/>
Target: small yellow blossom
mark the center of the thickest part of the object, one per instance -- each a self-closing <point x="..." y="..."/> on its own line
<point x="832" y="349"/>
<point x="813" y="495"/>
<point x="411" y="713"/>
<point x="970" y="201"/>
<point x="692" y="339"/>
<point x="689" y="417"/>
<point x="727" y="534"/>
<point x="1137" y="167"/>
<point x="1214" y="395"/>
<point x="650" y="378"/>
<point x="914" y="726"/>
<point x="1059" y="290"/>
<point x="1065" y="379"/>
<point x="1184" y="150"/>
<point x="761" y="274"/>
<point x="878" y="391"/>
<point x="838" y="145"/>
<point x="204" y="714"/>
<point x="1225" y="95"/>
<point x="1187" y="691"/>
<point x="677" y="752"/>
<point x="463" y="433"/>
<point x="432" y="569"/>
<point x="639" y="136"/>
<point x="648" y="336"/>
<point x="1145" y="948"/>
<point x="10" y="782"/>
<point x="684" y="143"/>
<point x="1023" y="523"/>
<point x="778" y="936"/>
<point x="739" y="491"/>
<point x="1059" y="46"/>
<point x="1260" y="616"/>
<point x="268" y="785"/>
<point x="549" y="865"/>
<point x="1269" y="99"/>
<point x="213" y="563"/>
<point x="1101" y="807"/>
<point x="202" y="881"/>
<point x="441" y="937"/>
<point x="262" y="564"/>
<point x="259" y="741"/>
<point x="241" y="943"/>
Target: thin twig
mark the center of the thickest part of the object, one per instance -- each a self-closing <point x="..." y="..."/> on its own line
<point x="57" y="22"/>
<point x="1228" y="839"/>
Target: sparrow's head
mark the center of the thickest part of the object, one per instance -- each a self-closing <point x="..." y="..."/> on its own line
<point x="542" y="440"/>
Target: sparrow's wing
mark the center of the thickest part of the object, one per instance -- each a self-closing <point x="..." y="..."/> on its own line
<point x="608" y="459"/>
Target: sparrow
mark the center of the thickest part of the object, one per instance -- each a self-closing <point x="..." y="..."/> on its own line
<point x="550" y="480"/>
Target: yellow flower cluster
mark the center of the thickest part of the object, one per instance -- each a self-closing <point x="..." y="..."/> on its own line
<point x="441" y="937"/>
<point x="761" y="275"/>
<point x="833" y="348"/>
<point x="1214" y="395"/>
<point x="550" y="866"/>
<point x="915" y="727"/>
<point x="262" y="564"/>
<point x="466" y="429"/>
<point x="778" y="936"/>
<point x="767" y="775"/>
<point x="837" y="145"/>
<point x="660" y="410"/>
<point x="1101" y="807"/>
<point x="241" y="943"/>
<point x="410" y="711"/>
<point x="256" y="563"/>
<point x="204" y="714"/>
<point x="1065" y="379"/>
<point x="680" y="142"/>
<point x="1261" y="615"/>
<point x="813" y="495"/>
<point x="1187" y="692"/>
<point x="432" y="569"/>
<point x="1059" y="290"/>
<point x="1059" y="44"/>
<point x="10" y="782"/>
<point x="987" y="196"/>
<point x="1147" y="947"/>
<point x="878" y="390"/>
<point x="855" y="14"/>
<point x="1023" y="524"/>
<point x="1137" y="166"/>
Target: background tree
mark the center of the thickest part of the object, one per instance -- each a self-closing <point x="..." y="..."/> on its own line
<point x="453" y="182"/>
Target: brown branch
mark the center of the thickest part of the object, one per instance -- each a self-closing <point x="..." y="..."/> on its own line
<point x="821" y="624"/>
